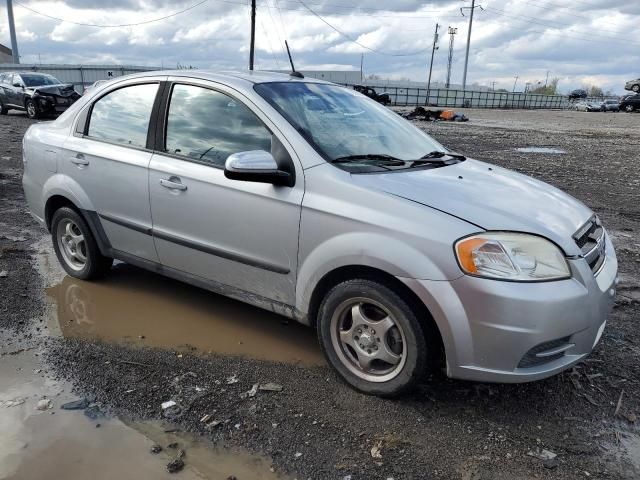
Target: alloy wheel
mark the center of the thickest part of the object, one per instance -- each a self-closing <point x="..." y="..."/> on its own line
<point x="31" y="109"/>
<point x="367" y="340"/>
<point x="72" y="244"/>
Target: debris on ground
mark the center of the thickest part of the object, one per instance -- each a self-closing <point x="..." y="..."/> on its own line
<point x="270" y="387"/>
<point x="155" y="449"/>
<point x="376" y="450"/>
<point x="421" y="113"/>
<point x="44" y="404"/>
<point x="76" y="405"/>
<point x="4" y="274"/>
<point x="168" y="404"/>
<point x="12" y="403"/>
<point x="542" y="454"/>
<point x="619" y="404"/>
<point x="251" y="392"/>
<point x="232" y="379"/>
<point x="175" y="465"/>
<point x="93" y="412"/>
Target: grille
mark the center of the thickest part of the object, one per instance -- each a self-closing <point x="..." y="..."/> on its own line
<point x="590" y="240"/>
<point x="538" y="354"/>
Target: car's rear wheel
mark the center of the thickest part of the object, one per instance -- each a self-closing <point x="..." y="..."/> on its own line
<point x="76" y="247"/>
<point x="372" y="338"/>
<point x="629" y="108"/>
<point x="32" y="109"/>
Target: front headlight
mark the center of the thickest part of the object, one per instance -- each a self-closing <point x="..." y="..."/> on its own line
<point x="511" y="256"/>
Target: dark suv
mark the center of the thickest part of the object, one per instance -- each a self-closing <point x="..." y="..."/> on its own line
<point x="630" y="103"/>
<point x="37" y="93"/>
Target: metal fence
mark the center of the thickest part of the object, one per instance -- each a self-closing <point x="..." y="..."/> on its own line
<point x="443" y="97"/>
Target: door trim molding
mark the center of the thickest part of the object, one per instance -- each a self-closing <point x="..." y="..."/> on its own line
<point x="218" y="252"/>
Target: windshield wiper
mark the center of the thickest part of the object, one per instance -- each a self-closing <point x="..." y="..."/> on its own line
<point x="374" y="157"/>
<point x="437" y="157"/>
<point x="439" y="154"/>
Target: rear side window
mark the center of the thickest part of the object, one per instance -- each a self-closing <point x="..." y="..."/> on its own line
<point x="123" y="115"/>
<point x="208" y="126"/>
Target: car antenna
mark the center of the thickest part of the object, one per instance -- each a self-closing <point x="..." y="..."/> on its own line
<point x="293" y="69"/>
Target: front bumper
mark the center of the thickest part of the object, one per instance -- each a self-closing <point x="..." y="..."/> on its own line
<point x="491" y="329"/>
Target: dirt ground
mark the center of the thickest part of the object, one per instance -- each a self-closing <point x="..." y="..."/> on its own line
<point x="135" y="340"/>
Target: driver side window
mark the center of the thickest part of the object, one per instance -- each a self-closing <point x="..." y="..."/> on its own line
<point x="207" y="126"/>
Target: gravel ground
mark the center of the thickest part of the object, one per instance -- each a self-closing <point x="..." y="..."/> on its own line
<point x="318" y="428"/>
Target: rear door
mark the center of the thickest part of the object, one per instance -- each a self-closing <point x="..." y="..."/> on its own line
<point x="238" y="234"/>
<point x="109" y="159"/>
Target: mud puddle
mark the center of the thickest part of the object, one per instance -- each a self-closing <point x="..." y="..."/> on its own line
<point x="141" y="308"/>
<point x="56" y="443"/>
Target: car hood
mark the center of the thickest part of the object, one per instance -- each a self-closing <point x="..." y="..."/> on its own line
<point x="489" y="197"/>
<point x="61" y="90"/>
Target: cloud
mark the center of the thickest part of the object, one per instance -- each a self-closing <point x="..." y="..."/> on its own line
<point x="578" y="42"/>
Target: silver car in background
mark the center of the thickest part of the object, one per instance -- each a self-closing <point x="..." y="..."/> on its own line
<point x="315" y="202"/>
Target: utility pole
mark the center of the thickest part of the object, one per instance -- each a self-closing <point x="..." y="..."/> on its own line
<point x="493" y="86"/>
<point x="12" y="32"/>
<point x="452" y="32"/>
<point x="433" y="51"/>
<point x="466" y="55"/>
<point x="546" y="79"/>
<point x="361" y="63"/>
<point x="514" y="83"/>
<point x="253" y="33"/>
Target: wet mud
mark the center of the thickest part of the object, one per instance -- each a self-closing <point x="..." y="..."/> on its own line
<point x="141" y="308"/>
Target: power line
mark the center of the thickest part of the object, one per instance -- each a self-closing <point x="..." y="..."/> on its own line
<point x="353" y="40"/>
<point x="123" y="24"/>
<point x="573" y="15"/>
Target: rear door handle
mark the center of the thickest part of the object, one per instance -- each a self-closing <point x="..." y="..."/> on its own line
<point x="173" y="183"/>
<point x="79" y="160"/>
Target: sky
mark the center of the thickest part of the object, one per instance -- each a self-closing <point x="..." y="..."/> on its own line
<point x="582" y="42"/>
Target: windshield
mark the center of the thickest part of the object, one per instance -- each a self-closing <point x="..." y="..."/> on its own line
<point x="340" y="123"/>
<point x="38" y="79"/>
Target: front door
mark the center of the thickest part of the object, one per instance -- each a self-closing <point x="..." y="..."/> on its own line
<point x="238" y="234"/>
<point x="110" y="163"/>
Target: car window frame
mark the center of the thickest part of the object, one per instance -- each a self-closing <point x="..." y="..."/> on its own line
<point x="83" y="121"/>
<point x="161" y="135"/>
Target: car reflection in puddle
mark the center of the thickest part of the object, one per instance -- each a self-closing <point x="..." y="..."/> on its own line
<point x="137" y="307"/>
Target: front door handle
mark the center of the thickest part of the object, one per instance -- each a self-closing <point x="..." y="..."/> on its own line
<point x="173" y="183"/>
<point x="79" y="160"/>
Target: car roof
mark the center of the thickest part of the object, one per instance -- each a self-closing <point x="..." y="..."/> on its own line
<point x="232" y="78"/>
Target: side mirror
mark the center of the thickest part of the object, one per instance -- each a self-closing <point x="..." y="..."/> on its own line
<point x="17" y="84"/>
<point x="256" y="166"/>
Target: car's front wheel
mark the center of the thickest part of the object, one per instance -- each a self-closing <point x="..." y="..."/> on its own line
<point x="75" y="246"/>
<point x="372" y="338"/>
<point x="32" y="109"/>
<point x="629" y="108"/>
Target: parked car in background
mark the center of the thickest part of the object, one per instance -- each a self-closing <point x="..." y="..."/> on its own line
<point x="610" y="106"/>
<point x="630" y="103"/>
<point x="584" y="106"/>
<point x="370" y="92"/>
<point x="38" y="94"/>
<point x="633" y="85"/>
<point x="310" y="200"/>
<point x="577" y="94"/>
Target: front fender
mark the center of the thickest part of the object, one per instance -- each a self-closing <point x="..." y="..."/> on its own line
<point x="360" y="249"/>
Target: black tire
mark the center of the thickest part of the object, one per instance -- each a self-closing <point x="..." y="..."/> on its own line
<point x="3" y="110"/>
<point x="414" y="350"/>
<point x="32" y="109"/>
<point x="95" y="265"/>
